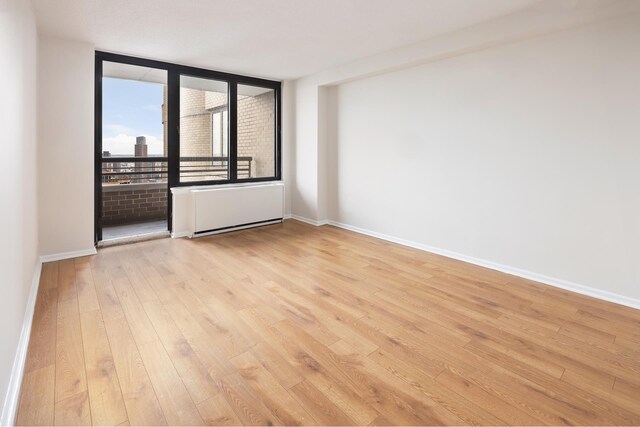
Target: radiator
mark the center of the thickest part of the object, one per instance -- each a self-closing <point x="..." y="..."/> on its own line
<point x="214" y="210"/>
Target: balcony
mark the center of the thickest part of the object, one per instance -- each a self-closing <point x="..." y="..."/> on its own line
<point x="134" y="190"/>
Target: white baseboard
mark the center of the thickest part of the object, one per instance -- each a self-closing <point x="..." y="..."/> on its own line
<point x="11" y="401"/>
<point x="309" y="221"/>
<point x="67" y="255"/>
<point x="551" y="281"/>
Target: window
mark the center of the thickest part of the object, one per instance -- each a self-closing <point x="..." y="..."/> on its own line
<point x="209" y="127"/>
<point x="227" y="129"/>
<point x="204" y="142"/>
<point x="256" y="130"/>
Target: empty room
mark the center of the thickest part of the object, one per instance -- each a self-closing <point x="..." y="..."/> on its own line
<point x="320" y="212"/>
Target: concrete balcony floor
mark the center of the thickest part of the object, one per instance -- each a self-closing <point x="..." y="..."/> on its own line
<point x="133" y="230"/>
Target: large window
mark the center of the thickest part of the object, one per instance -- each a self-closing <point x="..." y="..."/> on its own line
<point x="181" y="126"/>
<point x="218" y="127"/>
<point x="227" y="128"/>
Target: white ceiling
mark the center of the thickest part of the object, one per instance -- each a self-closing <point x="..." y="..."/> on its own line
<point x="279" y="39"/>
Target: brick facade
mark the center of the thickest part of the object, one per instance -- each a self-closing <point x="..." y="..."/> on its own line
<point x="256" y="126"/>
<point x="256" y="132"/>
<point x="124" y="204"/>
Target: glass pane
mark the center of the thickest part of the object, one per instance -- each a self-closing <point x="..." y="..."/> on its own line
<point x="256" y="132"/>
<point x="134" y="150"/>
<point x="204" y="131"/>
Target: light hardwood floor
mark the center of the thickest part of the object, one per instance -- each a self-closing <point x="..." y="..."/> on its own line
<point x="293" y="324"/>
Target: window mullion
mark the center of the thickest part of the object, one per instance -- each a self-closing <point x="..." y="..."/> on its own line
<point x="173" y="119"/>
<point x="233" y="131"/>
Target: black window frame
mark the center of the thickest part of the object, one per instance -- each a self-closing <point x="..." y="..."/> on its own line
<point x="174" y="71"/>
<point x="276" y="107"/>
<point x="231" y="171"/>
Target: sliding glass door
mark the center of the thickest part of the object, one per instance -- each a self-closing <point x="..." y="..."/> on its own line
<point x="133" y="158"/>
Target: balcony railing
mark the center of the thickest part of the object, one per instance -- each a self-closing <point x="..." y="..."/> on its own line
<point x="139" y="170"/>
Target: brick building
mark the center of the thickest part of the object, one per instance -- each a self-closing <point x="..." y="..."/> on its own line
<point x="203" y="128"/>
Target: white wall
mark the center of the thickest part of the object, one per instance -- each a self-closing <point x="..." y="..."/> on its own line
<point x="304" y="195"/>
<point x="288" y="140"/>
<point x="66" y="145"/>
<point x="309" y="193"/>
<point x="526" y="155"/>
<point x="19" y="247"/>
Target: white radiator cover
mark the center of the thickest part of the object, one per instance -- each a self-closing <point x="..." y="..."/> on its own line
<point x="216" y="209"/>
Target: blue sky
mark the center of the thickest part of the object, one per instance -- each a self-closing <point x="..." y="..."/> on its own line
<point x="131" y="108"/>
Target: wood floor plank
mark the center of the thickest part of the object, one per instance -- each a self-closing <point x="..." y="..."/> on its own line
<point x="193" y="373"/>
<point x="272" y="394"/>
<point x="468" y="409"/>
<point x="324" y="411"/>
<point x="49" y="275"/>
<point x="225" y="287"/>
<point x="70" y="370"/>
<point x="220" y="328"/>
<point x="389" y="395"/>
<point x="42" y="343"/>
<point x="87" y="297"/>
<point x="604" y="391"/>
<point x="138" y="279"/>
<point x="511" y="414"/>
<point x="105" y="396"/>
<point x="141" y="327"/>
<point x="107" y="297"/>
<point x="545" y="352"/>
<point x="245" y="404"/>
<point x="327" y="379"/>
<point x="137" y="391"/>
<point x="282" y="371"/>
<point x="199" y="339"/>
<point x="584" y="357"/>
<point x="569" y="405"/>
<point x="172" y="395"/>
<point x="572" y="377"/>
<point x="300" y="325"/>
<point x="330" y="321"/>
<point x="67" y="280"/>
<point x="216" y="411"/>
<point x="626" y="387"/>
<point x="73" y="411"/>
<point x="37" y="397"/>
<point x="322" y="372"/>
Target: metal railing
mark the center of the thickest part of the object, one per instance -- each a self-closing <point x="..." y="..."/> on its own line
<point x="212" y="168"/>
<point x="138" y="170"/>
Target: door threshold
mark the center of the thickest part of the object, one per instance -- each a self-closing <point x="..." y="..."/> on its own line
<point x="133" y="239"/>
